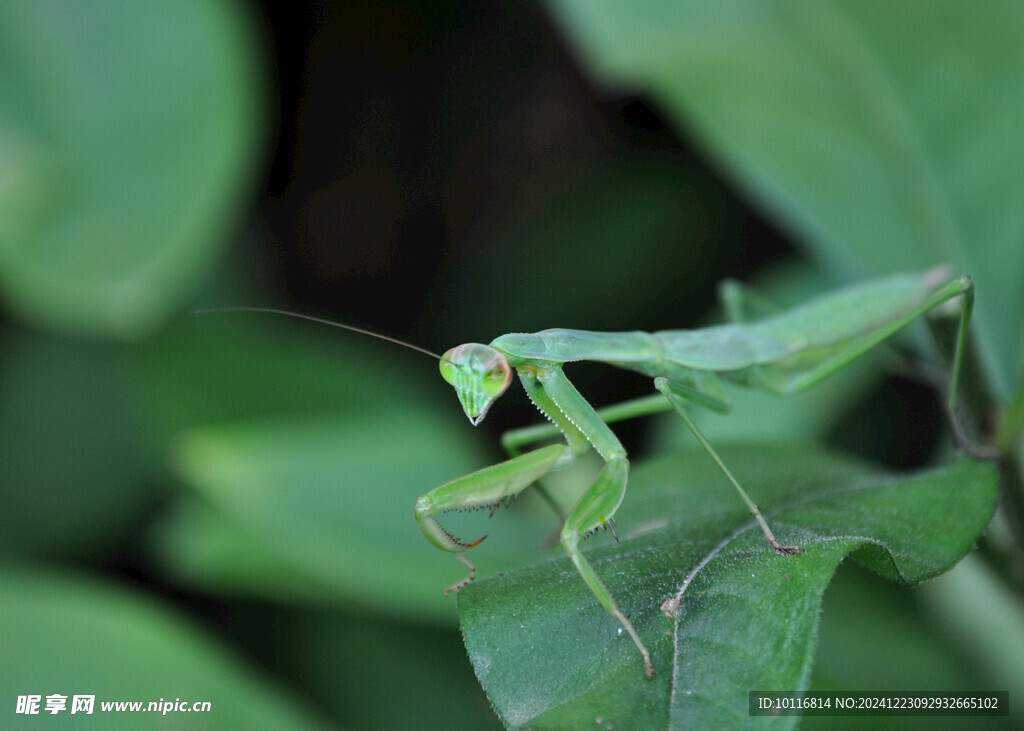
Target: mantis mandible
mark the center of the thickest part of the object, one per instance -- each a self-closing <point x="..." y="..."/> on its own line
<point x="785" y="353"/>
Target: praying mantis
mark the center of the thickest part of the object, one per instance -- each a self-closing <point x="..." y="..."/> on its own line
<point x="784" y="353"/>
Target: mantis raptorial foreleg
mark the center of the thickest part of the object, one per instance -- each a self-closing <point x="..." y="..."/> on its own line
<point x="488" y="487"/>
<point x="555" y="395"/>
<point x="514" y="440"/>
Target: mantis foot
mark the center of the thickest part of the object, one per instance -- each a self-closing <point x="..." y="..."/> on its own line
<point x="670" y="606"/>
<point x="779" y="548"/>
<point x="786" y="550"/>
<point x="459" y="584"/>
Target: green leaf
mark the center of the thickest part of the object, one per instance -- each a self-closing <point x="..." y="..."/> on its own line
<point x="550" y="657"/>
<point x="961" y="631"/>
<point x="885" y="135"/>
<point x="202" y="548"/>
<point x="214" y="368"/>
<point x="74" y="467"/>
<point x="982" y="618"/>
<point x="65" y="635"/>
<point x="333" y="498"/>
<point x="394" y="674"/>
<point x="129" y="128"/>
<point x="864" y="615"/>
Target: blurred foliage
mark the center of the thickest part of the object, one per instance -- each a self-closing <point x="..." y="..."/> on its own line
<point x="857" y="126"/>
<point x="71" y="636"/>
<point x="67" y="423"/>
<point x="127" y="133"/>
<point x="219" y="507"/>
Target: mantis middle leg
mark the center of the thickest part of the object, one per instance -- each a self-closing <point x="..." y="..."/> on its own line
<point x="678" y="400"/>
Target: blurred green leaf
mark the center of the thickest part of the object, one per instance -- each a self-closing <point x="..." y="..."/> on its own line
<point x="886" y="135"/>
<point x="73" y="461"/>
<point x="665" y="216"/>
<point x="129" y="128"/>
<point x="64" y="635"/>
<point x="334" y="497"/>
<point x="208" y="369"/>
<point x="550" y="657"/>
<point x="982" y="618"/>
<point x="201" y="548"/>
<point x="396" y="675"/>
<point x="863" y="613"/>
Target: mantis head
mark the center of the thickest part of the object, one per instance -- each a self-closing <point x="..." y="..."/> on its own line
<point x="479" y="374"/>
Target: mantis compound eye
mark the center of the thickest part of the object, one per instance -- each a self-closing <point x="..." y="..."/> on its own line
<point x="496" y="380"/>
<point x="479" y="374"/>
<point x="449" y="370"/>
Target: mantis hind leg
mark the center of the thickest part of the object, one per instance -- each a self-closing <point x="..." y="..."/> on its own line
<point x="677" y="400"/>
<point x="741" y="304"/>
<point x="955" y="287"/>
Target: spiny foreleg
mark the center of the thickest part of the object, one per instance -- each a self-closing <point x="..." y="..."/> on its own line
<point x="486" y="488"/>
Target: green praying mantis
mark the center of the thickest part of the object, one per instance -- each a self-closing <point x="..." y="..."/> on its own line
<point x="784" y="353"/>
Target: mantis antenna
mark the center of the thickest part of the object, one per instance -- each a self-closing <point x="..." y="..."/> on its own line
<point x="352" y="328"/>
